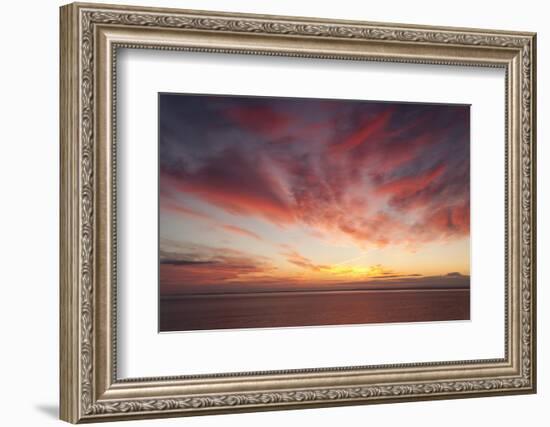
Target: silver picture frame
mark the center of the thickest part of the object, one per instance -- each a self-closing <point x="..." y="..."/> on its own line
<point x="91" y="34"/>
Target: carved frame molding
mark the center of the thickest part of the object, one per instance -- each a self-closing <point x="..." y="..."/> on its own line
<point x="90" y="37"/>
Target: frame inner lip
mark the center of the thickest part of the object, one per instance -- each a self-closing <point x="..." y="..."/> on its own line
<point x="292" y="373"/>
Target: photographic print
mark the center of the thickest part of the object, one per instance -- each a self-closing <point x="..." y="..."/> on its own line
<point x="247" y="212"/>
<point x="277" y="212"/>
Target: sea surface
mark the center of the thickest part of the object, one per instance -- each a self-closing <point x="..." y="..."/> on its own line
<point x="311" y="308"/>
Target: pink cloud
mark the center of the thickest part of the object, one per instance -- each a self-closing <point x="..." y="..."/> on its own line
<point x="411" y="184"/>
<point x="370" y="128"/>
<point x="236" y="185"/>
<point x="260" y="119"/>
<point x="365" y="176"/>
<point x="448" y="221"/>
<point x="241" y="231"/>
<point x="171" y="206"/>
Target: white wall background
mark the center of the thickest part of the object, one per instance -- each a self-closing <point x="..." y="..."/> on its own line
<point x="29" y="170"/>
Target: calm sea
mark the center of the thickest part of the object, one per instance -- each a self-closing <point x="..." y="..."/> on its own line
<point x="309" y="308"/>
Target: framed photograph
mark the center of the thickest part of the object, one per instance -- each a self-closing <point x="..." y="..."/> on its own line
<point x="265" y="212"/>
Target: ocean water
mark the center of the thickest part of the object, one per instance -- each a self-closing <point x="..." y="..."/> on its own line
<point x="311" y="308"/>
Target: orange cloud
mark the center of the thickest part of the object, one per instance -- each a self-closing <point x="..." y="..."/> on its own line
<point x="449" y="221"/>
<point x="301" y="261"/>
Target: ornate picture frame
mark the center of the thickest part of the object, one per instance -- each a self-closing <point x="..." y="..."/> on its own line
<point x="90" y="37"/>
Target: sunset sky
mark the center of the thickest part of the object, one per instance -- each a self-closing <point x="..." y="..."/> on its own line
<point x="290" y="194"/>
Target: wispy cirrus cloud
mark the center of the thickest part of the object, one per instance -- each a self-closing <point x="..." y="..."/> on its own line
<point x="204" y="269"/>
<point x="370" y="128"/>
<point x="199" y="265"/>
<point x="376" y="175"/>
<point x="170" y="206"/>
<point x="260" y="119"/>
<point x="240" y="231"/>
<point x="234" y="182"/>
<point x="297" y="259"/>
<point x="400" y="166"/>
